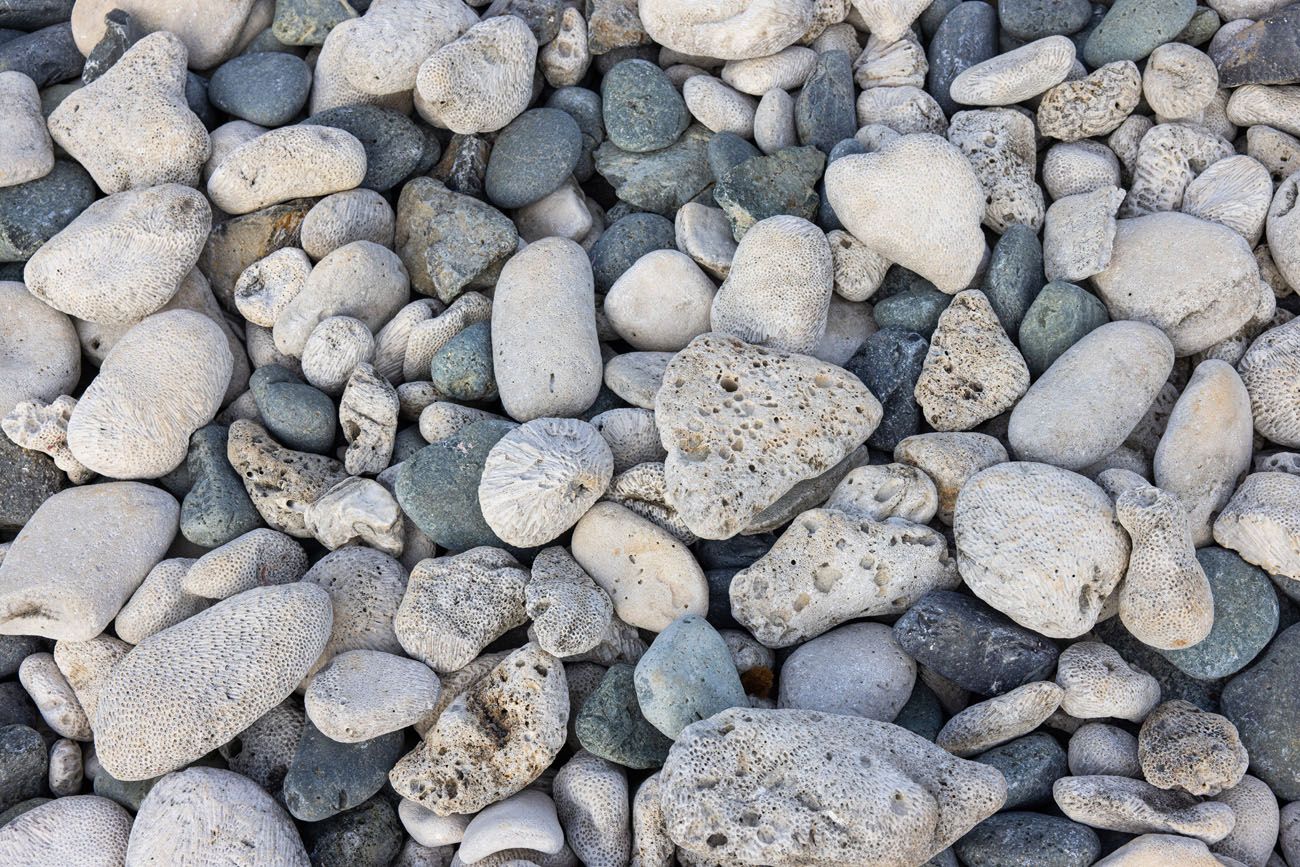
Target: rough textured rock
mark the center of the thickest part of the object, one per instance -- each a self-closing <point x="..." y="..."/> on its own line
<point x="1265" y="370"/>
<point x="1258" y="523"/>
<point x="1098" y="682"/>
<point x="1016" y="75"/>
<point x="83" y="829"/>
<point x="875" y="770"/>
<point x="281" y="482"/>
<point x="337" y="159"/>
<point x="733" y="32"/>
<point x="52" y="695"/>
<point x="570" y="613"/>
<point x="168" y="690"/>
<point x="159" y="602"/>
<point x="1137" y="807"/>
<point x="365" y="588"/>
<point x="1183" y="747"/>
<point x="210" y="813"/>
<point x="1000" y="719"/>
<point x="1003" y="515"/>
<point x="1092" y="106"/>
<point x="482" y="80"/>
<point x="1262" y="702"/>
<point x="950" y="459"/>
<point x="710" y="487"/>
<point x="591" y="798"/>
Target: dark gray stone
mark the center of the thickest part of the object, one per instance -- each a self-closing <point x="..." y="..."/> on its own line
<point x="1132" y="29"/>
<point x="1031" y="765"/>
<point x="532" y="156"/>
<point x="1028" y="840"/>
<point x="196" y="97"/>
<point x="922" y="715"/>
<point x="766" y="186"/>
<point x="624" y="242"/>
<point x="265" y="41"/>
<point x="973" y="645"/>
<point x="889" y="364"/>
<point x="268" y="88"/>
<point x="394" y="144"/>
<point x="541" y="16"/>
<point x="824" y="111"/>
<point x="1263" y="702"/>
<point x="915" y="309"/>
<point x="610" y="724"/>
<point x="34" y="14"/>
<point x="431" y="153"/>
<point x="641" y="108"/>
<point x="1036" y="19"/>
<point x="23" y="765"/>
<point x="16" y="706"/>
<point x="217" y="508"/>
<point x="14" y="649"/>
<point x="663" y="180"/>
<point x="369" y="836"/>
<point x="296" y="414"/>
<point x="327" y="777"/>
<point x="728" y="150"/>
<point x="27" y="479"/>
<point x="738" y="552"/>
<point x="308" y="22"/>
<point x="967" y="36"/>
<point x="1015" y="275"/>
<point x="1201" y="29"/>
<point x="1266" y="52"/>
<point x="584" y="106"/>
<point x="407" y="442"/>
<point x="47" y="56"/>
<point x="719" y="581"/>
<point x="933" y="16"/>
<point x="128" y="793"/>
<point x="1059" y="317"/>
<point x="462" y="369"/>
<point x="437" y="487"/>
<point x="464" y="165"/>
<point x="1174" y="683"/>
<point x="120" y="33"/>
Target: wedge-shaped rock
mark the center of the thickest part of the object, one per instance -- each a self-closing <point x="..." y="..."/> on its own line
<point x="743" y="424"/>
<point x="124" y="256"/>
<point x="1002" y="718"/>
<point x="132" y="126"/>
<point x="1137" y="807"/>
<point x="367" y="693"/>
<point x="189" y="689"/>
<point x="831" y="567"/>
<point x="281" y="482"/>
<point x="1261" y="523"/>
<point x="795" y="787"/>
<point x="918" y="203"/>
<point x="211" y="816"/>
<point x="1040" y="544"/>
<point x="493" y="739"/>
<point x="81" y="556"/>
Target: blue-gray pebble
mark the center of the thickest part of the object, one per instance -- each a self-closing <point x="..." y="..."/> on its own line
<point x="1132" y="29"/>
<point x="625" y="241"/>
<point x="327" y="777"/>
<point x="728" y="150"/>
<point x="268" y="88"/>
<point x="917" y="309"/>
<point x="967" y="36"/>
<point x="1015" y="275"/>
<point x="1263" y="702"/>
<point x="889" y="363"/>
<point x="1030" y="765"/>
<point x="824" y="111"/>
<point x="610" y="723"/>
<point x="687" y="675"/>
<point x="1059" y="317"/>
<point x="298" y="415"/>
<point x="23" y="765"/>
<point x="642" y="110"/>
<point x="922" y="715"/>
<point x="533" y="155"/>
<point x="1036" y="19"/>
<point x="1028" y="840"/>
<point x="217" y="509"/>
<point x="462" y="369"/>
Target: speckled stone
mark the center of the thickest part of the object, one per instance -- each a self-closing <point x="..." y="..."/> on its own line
<point x="1174" y="682"/>
<point x="27" y="479"/>
<point x="268" y="88"/>
<point x="583" y="106"/>
<point x="967" y="36"/>
<point x="46" y="56"/>
<point x="532" y="156"/>
<point x="1059" y="317"/>
<point x="1263" y="702"/>
<point x="1030" y="765"/>
<point x="393" y="143"/>
<point x="437" y="487"/>
<point x="238" y="242"/>
<point x="611" y="725"/>
<point x="1028" y="840"/>
<point x="728" y="150"/>
<point x="663" y="180"/>
<point x="23" y="765"/>
<point x="889" y="363"/>
<point x="16" y="707"/>
<point x="624" y="242"/>
<point x="216" y="509"/>
<point x="308" y="22"/>
<point x="32" y="14"/>
<point x="298" y="415"/>
<point x="462" y="369"/>
<point x="464" y="164"/>
<point x="541" y="16"/>
<point x="917" y="309"/>
<point x="922" y="715"/>
<point x="196" y="97"/>
<point x="824" y="112"/>
<point x="973" y="645"/>
<point x="34" y="212"/>
<point x="687" y="675"/>
<point x="642" y="110"/>
<point x="14" y="649"/>
<point x="1245" y="617"/>
<point x="327" y="777"/>
<point x="121" y="31"/>
<point x="765" y="186"/>
<point x="1035" y="19"/>
<point x="447" y="240"/>
<point x="1267" y="52"/>
<point x="1015" y="275"/>
<point x="369" y="836"/>
<point x="1132" y="29"/>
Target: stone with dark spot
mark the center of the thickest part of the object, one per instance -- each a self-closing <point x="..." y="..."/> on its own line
<point x="369" y="836"/>
<point x="824" y="111"/>
<point x="641" y="108"/>
<point x="1266" y="52"/>
<point x="120" y="32"/>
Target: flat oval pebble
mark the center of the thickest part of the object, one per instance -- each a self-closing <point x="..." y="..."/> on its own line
<point x="282" y="79"/>
<point x="532" y="157"/>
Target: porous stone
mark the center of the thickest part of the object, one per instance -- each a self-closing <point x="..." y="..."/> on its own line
<point x="365" y="587"/>
<point x="263" y="751"/>
<point x="167" y="691"/>
<point x="159" y="602"/>
<point x="737" y="32"/>
<point x="1000" y="719"/>
<point x="383" y="50"/>
<point x="917" y="202"/>
<point x="40" y="357"/>
<point x="1102" y="749"/>
<point x="719" y="108"/>
<point x="279" y="156"/>
<point x="1183" y="747"/>
<point x="25" y="144"/>
<point x="1137" y="807"/>
<point x="267" y="286"/>
<point x="1163" y="161"/>
<point x="1016" y="75"/>
<point x="280" y="481"/>
<point x="152" y="237"/>
<point x="82" y="829"/>
<point x="1260" y="702"/>
<point x="1257" y="522"/>
<point x="1098" y="682"/>
<point x="341" y="218"/>
<point x="723" y="497"/>
<point x="1264" y="370"/>
<point x="1070" y="168"/>
<point x="132" y="127"/>
<point x="1178" y="81"/>
<point x="883" y="491"/>
<point x="308" y="22"/>
<point x="123" y="529"/>
<point x="482" y="80"/>
<point x="1234" y="192"/>
<point x="938" y="797"/>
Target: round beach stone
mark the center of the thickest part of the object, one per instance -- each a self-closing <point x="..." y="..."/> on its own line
<point x="1262" y="702"/>
<point x="40" y="356"/>
<point x="532" y="157"/>
<point x="34" y="212"/>
<point x="1014" y="276"/>
<point x="1028" y="840"/>
<point x="1059" y="317"/>
<point x="1034" y="19"/>
<point x="642" y="110"/>
<point x="973" y="645"/>
<point x="610" y="723"/>
<point x="217" y="509"/>
<point x="1031" y="765"/>
<point x="462" y="368"/>
<point x="393" y="144"/>
<point x="687" y="675"/>
<point x="858" y="669"/>
<point x="267" y="88"/>
<point x="298" y="415"/>
<point x="1132" y="29"/>
<point x="624" y="242"/>
<point x="327" y="777"/>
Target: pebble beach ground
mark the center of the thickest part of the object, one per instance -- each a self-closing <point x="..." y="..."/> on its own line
<point x="637" y="433"/>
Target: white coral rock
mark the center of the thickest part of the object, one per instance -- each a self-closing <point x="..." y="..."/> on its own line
<point x="1017" y="75"/>
<point x="287" y="163"/>
<point x="482" y="80"/>
<point x="733" y="30"/>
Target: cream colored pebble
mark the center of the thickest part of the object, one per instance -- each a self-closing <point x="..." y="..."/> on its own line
<point x="904" y="109"/>
<point x="999" y="719"/>
<point x="1235" y="192"/>
<point x="383" y="51"/>
<point x="900" y="63"/>
<point x="66" y="772"/>
<point x="661" y="302"/>
<point x="225" y="139"/>
<point x="785" y="70"/>
<point x="336" y="347"/>
<point x="287" y="163"/>
<point x="482" y="80"/>
<point x="1182" y="747"/>
<point x="858" y="270"/>
<point x="54" y="698"/>
<point x="433" y="332"/>
<point x="1179" y="81"/>
<point x="774" y="124"/>
<point x="526" y="820"/>
<point x="631" y="435"/>
<point x="1016" y="75"/>
<point x="736" y="31"/>
<point x="363" y="694"/>
<point x="159" y="602"/>
<point x="1271" y="105"/>
<point x="1000" y="145"/>
<point x="1079" y="234"/>
<point x="1100" y="748"/>
<point x="357" y="510"/>
<point x="1098" y="682"/>
<point x="565" y="59"/>
<point x="258" y="558"/>
<point x="884" y="491"/>
<point x="719" y="107"/>
<point x="591" y="798"/>
<point x="267" y="286"/>
<point x="331" y="87"/>
<point x="1137" y="807"/>
<point x="341" y="218"/>
<point x="1260" y="523"/>
<point x="26" y="152"/>
<point x="86" y="664"/>
<point x="704" y="234"/>
<point x="563" y="213"/>
<point x="82" y="829"/>
<point x="210" y="34"/>
<point x="1070" y="168"/>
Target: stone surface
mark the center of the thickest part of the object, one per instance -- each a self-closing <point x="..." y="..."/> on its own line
<point x="1061" y="315"/>
<point x="1030" y="764"/>
<point x="447" y="240"/>
<point x="857" y="670"/>
<point x="1016" y="839"/>
<point x="1260" y="701"/>
<point x="611" y="724"/>
<point x="326" y="777"/>
<point x="687" y="675"/>
<point x="1133" y="28"/>
<point x="393" y="145"/>
<point x="642" y="110"/>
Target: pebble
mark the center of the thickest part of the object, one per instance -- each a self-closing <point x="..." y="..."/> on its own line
<point x="532" y="156"/>
<point x="641" y="109"/>
<point x="687" y="675"/>
<point x="327" y="777"/>
<point x="26" y="148"/>
<point x="1098" y="682"/>
<point x="266" y="88"/>
<point x="300" y="416"/>
<point x="23" y="765"/>
<point x="1061" y="315"/>
<point x="341" y="218"/>
<point x="858" y="669"/>
<point x="47" y="55"/>
<point x="1184" y="748"/>
<point x="393" y="145"/>
<point x="337" y="158"/>
<point x="1017" y="75"/>
<point x="308" y="22"/>
<point x="824" y="109"/>
<point x="661" y="181"/>
<point x="523" y="821"/>
<point x="480" y="81"/>
<point x="1031" y="765"/>
<point x="966" y="37"/>
<point x="1132" y="29"/>
<point x="612" y="725"/>
<point x="999" y="719"/>
<point x="973" y="645"/>
<point x="1264" y="52"/>
<point x="366" y="836"/>
<point x="1099" y="748"/>
<point x="661" y="302"/>
<point x="1018" y="839"/>
<point x="32" y="213"/>
<point x="1137" y="807"/>
<point x="1014" y="276"/>
<point x="761" y="187"/>
<point x="81" y="829"/>
<point x="1259" y="702"/>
